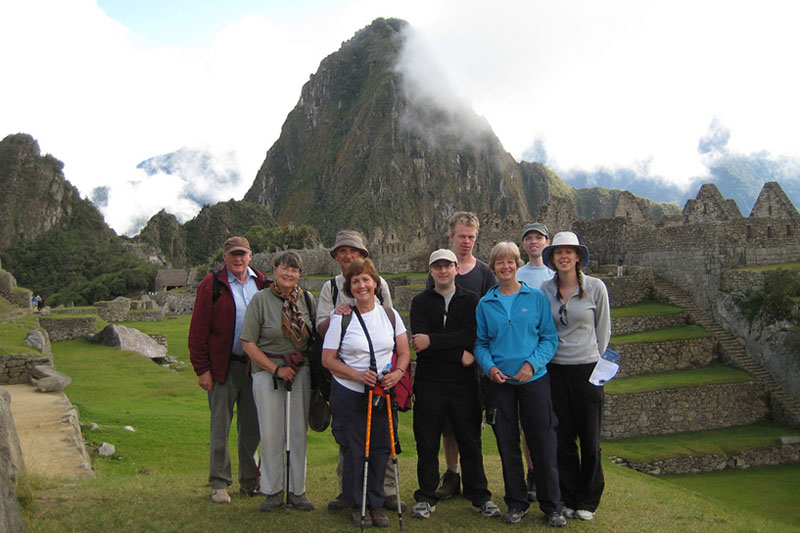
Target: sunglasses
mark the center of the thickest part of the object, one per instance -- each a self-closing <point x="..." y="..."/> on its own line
<point x="562" y="314"/>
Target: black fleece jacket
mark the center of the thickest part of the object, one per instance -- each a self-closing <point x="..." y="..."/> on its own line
<point x="441" y="362"/>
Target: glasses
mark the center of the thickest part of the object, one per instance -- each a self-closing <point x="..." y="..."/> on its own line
<point x="443" y="266"/>
<point x="562" y="314"/>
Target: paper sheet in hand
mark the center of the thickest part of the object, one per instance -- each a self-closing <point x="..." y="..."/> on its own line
<point x="605" y="369"/>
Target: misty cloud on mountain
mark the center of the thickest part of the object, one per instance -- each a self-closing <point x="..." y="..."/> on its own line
<point x="180" y="182"/>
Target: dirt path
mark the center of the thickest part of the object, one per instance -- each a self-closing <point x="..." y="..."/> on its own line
<point x="49" y="433"/>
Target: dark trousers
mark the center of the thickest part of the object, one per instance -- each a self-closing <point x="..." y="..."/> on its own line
<point x="433" y="403"/>
<point x="349" y="427"/>
<point x="579" y="407"/>
<point x="531" y="405"/>
<point x="237" y="390"/>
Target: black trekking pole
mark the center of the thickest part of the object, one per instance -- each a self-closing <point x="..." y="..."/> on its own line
<point x="394" y="459"/>
<point x="288" y="437"/>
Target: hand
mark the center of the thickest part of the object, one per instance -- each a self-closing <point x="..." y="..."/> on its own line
<point x="367" y="377"/>
<point x="343" y="309"/>
<point x="497" y="376"/>
<point x="420" y="341"/>
<point x="391" y="379"/>
<point x="467" y="358"/>
<point x="287" y="375"/>
<point x="205" y="381"/>
<point x="525" y="373"/>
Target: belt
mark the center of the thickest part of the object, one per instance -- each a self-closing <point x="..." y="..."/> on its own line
<point x="240" y="358"/>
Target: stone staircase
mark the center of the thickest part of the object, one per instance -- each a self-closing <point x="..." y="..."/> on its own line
<point x="784" y="408"/>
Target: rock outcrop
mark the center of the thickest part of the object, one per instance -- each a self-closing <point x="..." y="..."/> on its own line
<point x="131" y="339"/>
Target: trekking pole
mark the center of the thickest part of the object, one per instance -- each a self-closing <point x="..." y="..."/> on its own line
<point x="366" y="462"/>
<point x="394" y="460"/>
<point x="288" y="439"/>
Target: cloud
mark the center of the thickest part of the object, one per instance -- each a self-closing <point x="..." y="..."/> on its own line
<point x="716" y="140"/>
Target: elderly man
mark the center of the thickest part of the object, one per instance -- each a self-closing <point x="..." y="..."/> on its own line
<point x="220" y="364"/>
<point x="349" y="245"/>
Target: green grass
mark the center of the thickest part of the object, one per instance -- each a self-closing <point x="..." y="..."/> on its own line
<point x="158" y="479"/>
<point x="772" y="490"/>
<point x="765" y="268"/>
<point x="6" y="306"/>
<point x="727" y="441"/>
<point x="409" y="275"/>
<point x="690" y="331"/>
<point x="647" y="308"/>
<point x="13" y="333"/>
<point x="711" y="374"/>
<point x="419" y="286"/>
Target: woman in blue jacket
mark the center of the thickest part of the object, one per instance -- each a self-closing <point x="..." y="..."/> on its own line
<point x="516" y="338"/>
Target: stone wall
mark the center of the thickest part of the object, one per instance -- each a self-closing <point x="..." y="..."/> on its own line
<point x="16" y="368"/>
<point x="7" y="282"/>
<point x="631" y="289"/>
<point x="686" y="464"/>
<point x="146" y="315"/>
<point x="687" y="409"/>
<point x="115" y="310"/>
<point x="11" y="467"/>
<point x="176" y="303"/>
<point x="635" y="324"/>
<point x="21" y="298"/>
<point x="651" y="357"/>
<point x="68" y="328"/>
<point x="741" y="281"/>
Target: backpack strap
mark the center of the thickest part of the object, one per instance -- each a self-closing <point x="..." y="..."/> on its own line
<point x="217" y="287"/>
<point x="334" y="291"/>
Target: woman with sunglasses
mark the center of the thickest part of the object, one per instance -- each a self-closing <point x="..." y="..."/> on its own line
<point x="579" y="304"/>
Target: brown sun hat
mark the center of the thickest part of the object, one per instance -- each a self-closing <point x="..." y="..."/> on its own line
<point x="351" y="238"/>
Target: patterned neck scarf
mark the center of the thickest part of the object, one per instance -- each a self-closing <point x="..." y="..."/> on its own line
<point x="292" y="324"/>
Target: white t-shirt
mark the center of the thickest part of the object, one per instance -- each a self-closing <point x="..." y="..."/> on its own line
<point x="354" y="351"/>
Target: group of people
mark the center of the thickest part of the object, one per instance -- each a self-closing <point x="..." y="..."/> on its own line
<point x="519" y="342"/>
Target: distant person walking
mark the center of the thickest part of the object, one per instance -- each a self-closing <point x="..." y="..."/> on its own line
<point x="620" y="262"/>
<point x="220" y="363"/>
<point x="580" y="309"/>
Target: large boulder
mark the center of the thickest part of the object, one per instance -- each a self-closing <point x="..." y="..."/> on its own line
<point x="131" y="339"/>
<point x="48" y="379"/>
<point x="11" y="466"/>
<point x="40" y="341"/>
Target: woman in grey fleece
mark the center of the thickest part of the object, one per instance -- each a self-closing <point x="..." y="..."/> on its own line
<point x="581" y="313"/>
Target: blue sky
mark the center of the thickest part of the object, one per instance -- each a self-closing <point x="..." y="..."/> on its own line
<point x="619" y="83"/>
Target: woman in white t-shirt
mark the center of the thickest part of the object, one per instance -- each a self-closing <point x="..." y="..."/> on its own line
<point x="346" y="353"/>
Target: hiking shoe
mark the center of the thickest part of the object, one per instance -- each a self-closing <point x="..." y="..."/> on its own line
<point x="584" y="514"/>
<point x="220" y="496"/>
<point x="556" y="519"/>
<point x="568" y="512"/>
<point x="451" y="485"/>
<point x="271" y="502"/>
<point x="357" y="518"/>
<point x="248" y="491"/>
<point x="379" y="517"/>
<point x="390" y="502"/>
<point x="338" y="503"/>
<point x="531" y="486"/>
<point x="300" y="502"/>
<point x="514" y="516"/>
<point x="422" y="510"/>
<point x="489" y="509"/>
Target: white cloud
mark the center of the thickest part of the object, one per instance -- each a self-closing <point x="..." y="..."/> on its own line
<point x="603" y="83"/>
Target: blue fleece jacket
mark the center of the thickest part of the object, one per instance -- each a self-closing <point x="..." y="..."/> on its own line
<point x="507" y="340"/>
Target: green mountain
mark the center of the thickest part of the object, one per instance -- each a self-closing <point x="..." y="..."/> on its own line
<point x="359" y="150"/>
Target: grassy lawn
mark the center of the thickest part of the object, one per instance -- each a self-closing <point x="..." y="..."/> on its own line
<point x="647" y="308"/>
<point x="727" y="441"/>
<point x="690" y="331"/>
<point x="772" y="490"/>
<point x="157" y="479"/>
<point x="713" y="373"/>
<point x="13" y="333"/>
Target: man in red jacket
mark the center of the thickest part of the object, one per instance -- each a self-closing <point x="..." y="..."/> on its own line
<point x="221" y="365"/>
